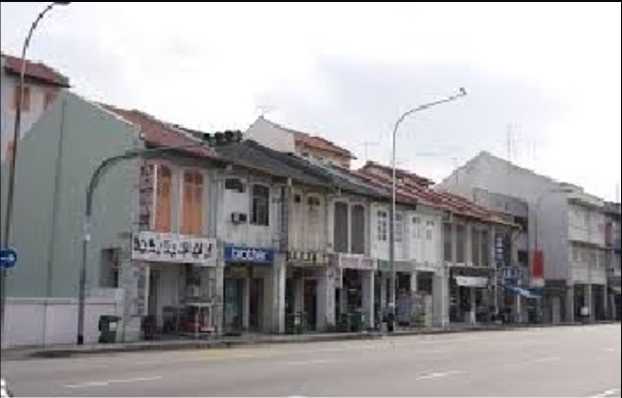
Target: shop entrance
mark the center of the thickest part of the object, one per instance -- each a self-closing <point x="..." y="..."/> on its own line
<point x="256" y="304"/>
<point x="310" y="303"/>
<point x="233" y="305"/>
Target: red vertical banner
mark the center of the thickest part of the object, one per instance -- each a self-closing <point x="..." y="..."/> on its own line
<point x="537" y="268"/>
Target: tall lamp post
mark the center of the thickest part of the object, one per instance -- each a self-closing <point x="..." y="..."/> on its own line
<point x="461" y="93"/>
<point x="16" y="135"/>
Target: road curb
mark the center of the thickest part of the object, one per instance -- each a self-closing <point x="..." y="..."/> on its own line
<point x="59" y="352"/>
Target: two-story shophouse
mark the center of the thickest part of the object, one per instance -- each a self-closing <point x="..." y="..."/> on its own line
<point x="151" y="250"/>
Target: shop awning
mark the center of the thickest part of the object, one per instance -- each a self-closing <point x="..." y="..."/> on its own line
<point x="472" y="281"/>
<point x="523" y="292"/>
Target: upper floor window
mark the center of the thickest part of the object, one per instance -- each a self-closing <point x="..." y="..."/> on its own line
<point x="192" y="203"/>
<point x="485" y="252"/>
<point x="234" y="184"/>
<point x="447" y="242"/>
<point x="25" y="102"/>
<point x="399" y="227"/>
<point x="416" y="227"/>
<point x="381" y="228"/>
<point x="260" y="205"/>
<point x="357" y="231"/>
<point x="340" y="228"/>
<point x="460" y="243"/>
<point x="429" y="230"/>
<point x="163" y="199"/>
<point x="48" y="99"/>
<point x="475" y="246"/>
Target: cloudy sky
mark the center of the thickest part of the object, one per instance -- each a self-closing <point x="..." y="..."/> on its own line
<point x="543" y="79"/>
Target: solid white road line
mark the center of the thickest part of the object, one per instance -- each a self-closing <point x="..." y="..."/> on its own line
<point x="437" y="375"/>
<point x="113" y="381"/>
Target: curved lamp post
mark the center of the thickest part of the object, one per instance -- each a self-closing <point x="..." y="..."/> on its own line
<point x="16" y="135"/>
<point x="461" y="93"/>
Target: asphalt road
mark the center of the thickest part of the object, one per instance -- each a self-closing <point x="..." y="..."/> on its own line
<point x="581" y="361"/>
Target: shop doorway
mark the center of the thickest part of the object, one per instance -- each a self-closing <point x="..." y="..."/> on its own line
<point x="310" y="303"/>
<point x="233" y="305"/>
<point x="256" y="304"/>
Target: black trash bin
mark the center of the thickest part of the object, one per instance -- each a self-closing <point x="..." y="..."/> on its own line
<point x="108" y="328"/>
<point x="149" y="327"/>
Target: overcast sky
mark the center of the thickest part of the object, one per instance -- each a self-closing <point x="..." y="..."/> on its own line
<point x="545" y="75"/>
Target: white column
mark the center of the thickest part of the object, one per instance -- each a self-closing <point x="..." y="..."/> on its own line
<point x="440" y="293"/>
<point x="326" y="300"/>
<point x="246" y="303"/>
<point x="517" y="301"/>
<point x="555" y="310"/>
<point x="368" y="296"/>
<point x="219" y="293"/>
<point x="278" y="294"/>
<point x="413" y="282"/>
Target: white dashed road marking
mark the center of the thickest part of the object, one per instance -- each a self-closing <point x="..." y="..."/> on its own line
<point x="108" y="382"/>
<point x="437" y="375"/>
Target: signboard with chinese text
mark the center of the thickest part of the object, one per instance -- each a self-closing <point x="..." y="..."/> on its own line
<point x="165" y="247"/>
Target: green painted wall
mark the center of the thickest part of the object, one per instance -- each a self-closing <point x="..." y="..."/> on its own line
<point x="89" y="135"/>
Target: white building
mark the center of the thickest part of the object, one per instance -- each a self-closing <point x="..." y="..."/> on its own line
<point x="567" y="224"/>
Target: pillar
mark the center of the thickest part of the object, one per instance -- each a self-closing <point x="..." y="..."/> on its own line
<point x="472" y="313"/>
<point x="413" y="282"/>
<point x="326" y="300"/>
<point x="383" y="292"/>
<point x="555" y="310"/>
<point x="605" y="302"/>
<point x="570" y="303"/>
<point x="368" y="296"/>
<point x="278" y="294"/>
<point x="517" y="302"/>
<point x="246" y="303"/>
<point x="220" y="299"/>
<point x="440" y="294"/>
<point x="589" y="301"/>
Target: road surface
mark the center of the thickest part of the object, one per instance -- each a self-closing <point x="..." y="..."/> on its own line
<point x="581" y="361"/>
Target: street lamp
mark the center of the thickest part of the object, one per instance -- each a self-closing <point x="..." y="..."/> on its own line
<point x="461" y="93"/>
<point x="16" y="135"/>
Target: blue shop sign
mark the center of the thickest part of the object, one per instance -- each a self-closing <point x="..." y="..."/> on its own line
<point x="255" y="255"/>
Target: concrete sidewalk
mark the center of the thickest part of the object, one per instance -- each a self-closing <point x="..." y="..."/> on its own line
<point x="246" y="339"/>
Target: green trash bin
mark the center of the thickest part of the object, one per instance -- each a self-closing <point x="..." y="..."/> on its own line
<point x="358" y="321"/>
<point x="108" y="328"/>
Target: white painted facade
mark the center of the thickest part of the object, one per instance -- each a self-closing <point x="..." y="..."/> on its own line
<point x="271" y="136"/>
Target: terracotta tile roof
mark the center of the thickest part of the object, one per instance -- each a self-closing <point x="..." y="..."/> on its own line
<point x="428" y="196"/>
<point x="400" y="173"/>
<point x="35" y="70"/>
<point x="314" y="141"/>
<point x="158" y="133"/>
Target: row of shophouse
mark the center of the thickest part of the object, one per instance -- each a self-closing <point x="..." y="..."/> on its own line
<point x="273" y="231"/>
<point x="234" y="236"/>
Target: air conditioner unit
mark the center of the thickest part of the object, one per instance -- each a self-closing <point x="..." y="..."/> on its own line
<point x="238" y="218"/>
<point x="193" y="291"/>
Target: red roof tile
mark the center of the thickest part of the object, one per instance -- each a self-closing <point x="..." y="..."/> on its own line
<point x="159" y="133"/>
<point x="35" y="70"/>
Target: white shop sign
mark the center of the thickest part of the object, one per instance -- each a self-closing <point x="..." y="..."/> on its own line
<point x="355" y="261"/>
<point x="164" y="247"/>
<point x="472" y="281"/>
